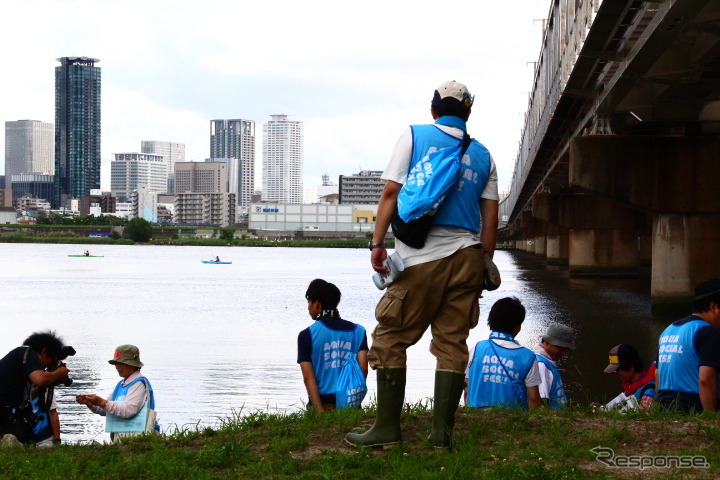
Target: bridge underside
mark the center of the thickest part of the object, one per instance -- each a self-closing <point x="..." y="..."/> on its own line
<point x="626" y="171"/>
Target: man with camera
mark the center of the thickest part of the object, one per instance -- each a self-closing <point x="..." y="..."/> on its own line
<point x="34" y="365"/>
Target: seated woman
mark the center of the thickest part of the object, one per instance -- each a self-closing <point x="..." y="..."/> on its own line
<point x="130" y="408"/>
<point x="638" y="384"/>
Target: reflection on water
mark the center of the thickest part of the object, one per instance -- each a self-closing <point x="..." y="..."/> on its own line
<point x="218" y="339"/>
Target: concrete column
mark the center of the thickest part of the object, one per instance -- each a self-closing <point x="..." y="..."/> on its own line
<point x="540" y="246"/>
<point x="645" y="248"/>
<point x="686" y="251"/>
<point x="557" y="249"/>
<point x="603" y="253"/>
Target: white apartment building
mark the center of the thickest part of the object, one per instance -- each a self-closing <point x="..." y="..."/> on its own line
<point x="29" y="147"/>
<point x="144" y="204"/>
<point x="128" y="171"/>
<point x="173" y="152"/>
<point x="282" y="179"/>
<point x="205" y="209"/>
<point x="233" y="141"/>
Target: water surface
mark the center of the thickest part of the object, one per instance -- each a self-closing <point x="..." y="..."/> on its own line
<point x="222" y="339"/>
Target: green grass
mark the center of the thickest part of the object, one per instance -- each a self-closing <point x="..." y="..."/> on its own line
<point x="495" y="444"/>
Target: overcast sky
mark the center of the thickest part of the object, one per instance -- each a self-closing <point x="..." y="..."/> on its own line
<point x="356" y="74"/>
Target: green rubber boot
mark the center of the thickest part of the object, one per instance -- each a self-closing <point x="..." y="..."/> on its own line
<point x="448" y="389"/>
<point x="390" y="399"/>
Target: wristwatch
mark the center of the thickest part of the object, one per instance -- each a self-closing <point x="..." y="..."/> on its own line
<point x="376" y="245"/>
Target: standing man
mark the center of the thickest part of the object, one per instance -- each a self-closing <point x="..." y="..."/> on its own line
<point x="553" y="346"/>
<point x="20" y="370"/>
<point x="442" y="280"/>
<point x="689" y="355"/>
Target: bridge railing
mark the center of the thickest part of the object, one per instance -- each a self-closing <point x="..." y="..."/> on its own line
<point x="565" y="31"/>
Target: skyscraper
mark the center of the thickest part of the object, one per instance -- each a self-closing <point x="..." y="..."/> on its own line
<point x="77" y="128"/>
<point x="173" y="152"/>
<point x="282" y="160"/>
<point x="235" y="139"/>
<point x="29" y="147"/>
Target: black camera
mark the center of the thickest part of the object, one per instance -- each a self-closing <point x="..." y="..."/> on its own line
<point x="25" y="412"/>
<point x="66" y="351"/>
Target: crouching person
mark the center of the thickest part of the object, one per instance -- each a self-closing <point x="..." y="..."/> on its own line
<point x="130" y="409"/>
<point x="502" y="372"/>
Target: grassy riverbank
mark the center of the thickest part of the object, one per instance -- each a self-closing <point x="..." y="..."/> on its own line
<point x="489" y="444"/>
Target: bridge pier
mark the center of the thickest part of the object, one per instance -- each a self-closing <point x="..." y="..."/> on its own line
<point x="540" y="249"/>
<point x="557" y="246"/>
<point x="689" y="249"/>
<point x="602" y="237"/>
<point x="603" y="253"/>
<point x="673" y="178"/>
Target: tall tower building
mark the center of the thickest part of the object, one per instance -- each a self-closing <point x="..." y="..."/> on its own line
<point x="173" y="152"/>
<point x="29" y="146"/>
<point x="77" y="128"/>
<point x="235" y="139"/>
<point x="282" y="160"/>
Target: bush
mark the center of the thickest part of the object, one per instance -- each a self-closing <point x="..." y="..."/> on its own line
<point x="139" y="230"/>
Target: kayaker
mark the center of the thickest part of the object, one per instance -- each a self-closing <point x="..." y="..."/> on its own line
<point x="217" y="259"/>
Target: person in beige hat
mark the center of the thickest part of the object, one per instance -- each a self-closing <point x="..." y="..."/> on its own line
<point x="133" y="394"/>
<point x="553" y="346"/>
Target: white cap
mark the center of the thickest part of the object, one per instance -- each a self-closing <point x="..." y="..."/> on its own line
<point x="456" y="90"/>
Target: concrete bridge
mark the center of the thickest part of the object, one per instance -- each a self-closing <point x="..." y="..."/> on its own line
<point x="619" y="160"/>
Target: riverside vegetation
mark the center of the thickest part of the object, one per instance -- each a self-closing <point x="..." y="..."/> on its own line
<point x="494" y="444"/>
<point x="237" y="237"/>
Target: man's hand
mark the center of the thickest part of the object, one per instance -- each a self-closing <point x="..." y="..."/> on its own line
<point x="377" y="257"/>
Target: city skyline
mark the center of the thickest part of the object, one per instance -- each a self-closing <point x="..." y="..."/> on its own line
<point x="354" y="87"/>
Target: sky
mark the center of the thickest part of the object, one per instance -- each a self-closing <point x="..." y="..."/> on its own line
<point x="356" y="74"/>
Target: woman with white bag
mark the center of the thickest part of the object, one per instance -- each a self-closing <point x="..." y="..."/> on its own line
<point x="130" y="409"/>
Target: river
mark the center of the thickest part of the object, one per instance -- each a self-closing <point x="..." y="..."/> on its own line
<point x="221" y="340"/>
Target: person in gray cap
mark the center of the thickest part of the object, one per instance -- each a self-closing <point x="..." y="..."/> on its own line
<point x="443" y="277"/>
<point x="554" y="345"/>
<point x="128" y="407"/>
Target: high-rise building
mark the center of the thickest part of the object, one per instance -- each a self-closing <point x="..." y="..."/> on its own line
<point x="35" y="185"/>
<point x="173" y="152"/>
<point x="201" y="177"/>
<point x="235" y="139"/>
<point x="282" y="160"/>
<point x="77" y="128"/>
<point x="128" y="171"/>
<point x="29" y="146"/>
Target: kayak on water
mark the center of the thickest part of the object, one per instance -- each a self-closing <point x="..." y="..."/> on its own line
<point x="99" y="256"/>
<point x="213" y="261"/>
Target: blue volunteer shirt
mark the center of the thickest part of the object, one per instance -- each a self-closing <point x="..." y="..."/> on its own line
<point x="326" y="344"/>
<point x="684" y="347"/>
